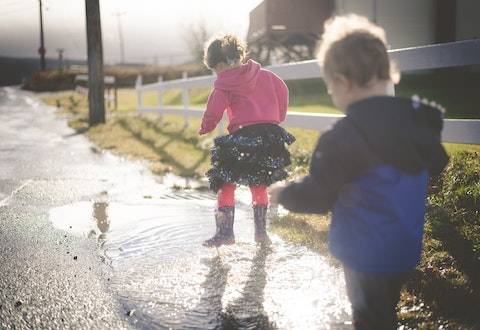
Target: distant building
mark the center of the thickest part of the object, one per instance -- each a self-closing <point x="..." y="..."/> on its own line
<point x="287" y="30"/>
<point x="414" y="23"/>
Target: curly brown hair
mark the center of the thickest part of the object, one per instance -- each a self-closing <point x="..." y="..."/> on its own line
<point x="227" y="49"/>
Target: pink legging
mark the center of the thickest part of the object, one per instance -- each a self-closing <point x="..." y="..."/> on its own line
<point x="226" y="195"/>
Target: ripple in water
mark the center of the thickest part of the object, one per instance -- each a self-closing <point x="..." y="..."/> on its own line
<point x="163" y="273"/>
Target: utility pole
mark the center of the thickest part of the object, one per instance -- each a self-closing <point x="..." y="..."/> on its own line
<point x="96" y="88"/>
<point x="41" y="50"/>
<point x="120" y="36"/>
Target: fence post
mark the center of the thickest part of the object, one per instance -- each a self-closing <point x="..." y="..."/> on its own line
<point x="391" y="88"/>
<point x="109" y="90"/>
<point x="160" y="97"/>
<point x="115" y="91"/>
<point x="185" y="99"/>
<point x="221" y="125"/>
<point x="138" y="84"/>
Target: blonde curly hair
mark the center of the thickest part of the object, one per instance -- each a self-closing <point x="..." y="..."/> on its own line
<point x="356" y="48"/>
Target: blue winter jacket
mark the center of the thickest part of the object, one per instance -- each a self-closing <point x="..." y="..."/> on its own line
<point x="371" y="170"/>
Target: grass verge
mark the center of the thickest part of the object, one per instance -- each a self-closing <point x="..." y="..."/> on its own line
<point x="165" y="143"/>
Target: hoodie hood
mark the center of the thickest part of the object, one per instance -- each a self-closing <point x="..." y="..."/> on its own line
<point x="241" y="80"/>
<point x="402" y="132"/>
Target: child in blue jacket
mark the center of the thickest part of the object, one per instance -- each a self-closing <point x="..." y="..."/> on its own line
<point x="371" y="170"/>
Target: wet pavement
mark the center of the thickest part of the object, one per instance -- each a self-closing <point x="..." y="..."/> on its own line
<point x="91" y="240"/>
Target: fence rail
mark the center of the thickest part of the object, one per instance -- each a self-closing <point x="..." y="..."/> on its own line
<point x="408" y="59"/>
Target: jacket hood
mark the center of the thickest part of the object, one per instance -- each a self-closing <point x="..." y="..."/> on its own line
<point x="242" y="79"/>
<point x="402" y="132"/>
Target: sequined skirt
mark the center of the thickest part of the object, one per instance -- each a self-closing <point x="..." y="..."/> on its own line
<point x="253" y="155"/>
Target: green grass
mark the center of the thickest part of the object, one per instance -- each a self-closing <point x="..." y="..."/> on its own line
<point x="455" y="88"/>
<point x="307" y="230"/>
<point x="454" y="148"/>
<point x="316" y="108"/>
<point x="448" y="277"/>
<point x="167" y="145"/>
<point x="145" y="137"/>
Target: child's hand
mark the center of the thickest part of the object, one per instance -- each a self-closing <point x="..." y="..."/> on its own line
<point x="275" y="191"/>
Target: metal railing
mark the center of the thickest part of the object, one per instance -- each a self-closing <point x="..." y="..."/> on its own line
<point x="437" y="56"/>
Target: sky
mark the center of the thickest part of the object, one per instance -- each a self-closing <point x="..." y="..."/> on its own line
<point x="151" y="28"/>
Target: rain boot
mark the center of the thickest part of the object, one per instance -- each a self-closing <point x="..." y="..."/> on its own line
<point x="260" y="218"/>
<point x="224" y="235"/>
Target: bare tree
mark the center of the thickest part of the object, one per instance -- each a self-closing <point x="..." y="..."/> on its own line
<point x="195" y="36"/>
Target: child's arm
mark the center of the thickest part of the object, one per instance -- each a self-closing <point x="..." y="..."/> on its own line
<point x="340" y="155"/>
<point x="216" y="105"/>
<point x="430" y="145"/>
<point x="282" y="96"/>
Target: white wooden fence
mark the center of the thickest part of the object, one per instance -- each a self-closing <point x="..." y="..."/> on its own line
<point x="408" y="59"/>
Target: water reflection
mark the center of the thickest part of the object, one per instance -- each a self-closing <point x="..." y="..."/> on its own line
<point x="247" y="311"/>
<point x="161" y="271"/>
<point x="100" y="221"/>
<point x="100" y="215"/>
<point x="85" y="218"/>
<point x="209" y="308"/>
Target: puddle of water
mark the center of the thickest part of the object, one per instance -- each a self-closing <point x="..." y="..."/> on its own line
<point x="171" y="180"/>
<point x="162" y="272"/>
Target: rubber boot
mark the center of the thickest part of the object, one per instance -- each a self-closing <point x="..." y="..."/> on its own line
<point x="260" y="218"/>
<point x="224" y="221"/>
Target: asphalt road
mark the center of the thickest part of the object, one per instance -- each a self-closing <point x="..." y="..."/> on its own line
<point x="48" y="278"/>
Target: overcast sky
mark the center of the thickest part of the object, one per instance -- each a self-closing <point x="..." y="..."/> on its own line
<point x="151" y="27"/>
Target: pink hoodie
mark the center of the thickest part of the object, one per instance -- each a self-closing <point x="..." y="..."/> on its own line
<point x="250" y="94"/>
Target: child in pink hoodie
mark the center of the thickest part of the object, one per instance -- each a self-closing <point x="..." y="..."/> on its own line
<point x="254" y="153"/>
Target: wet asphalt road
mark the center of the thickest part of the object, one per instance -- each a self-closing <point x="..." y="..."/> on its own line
<point x="91" y="241"/>
<point x="48" y="278"/>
